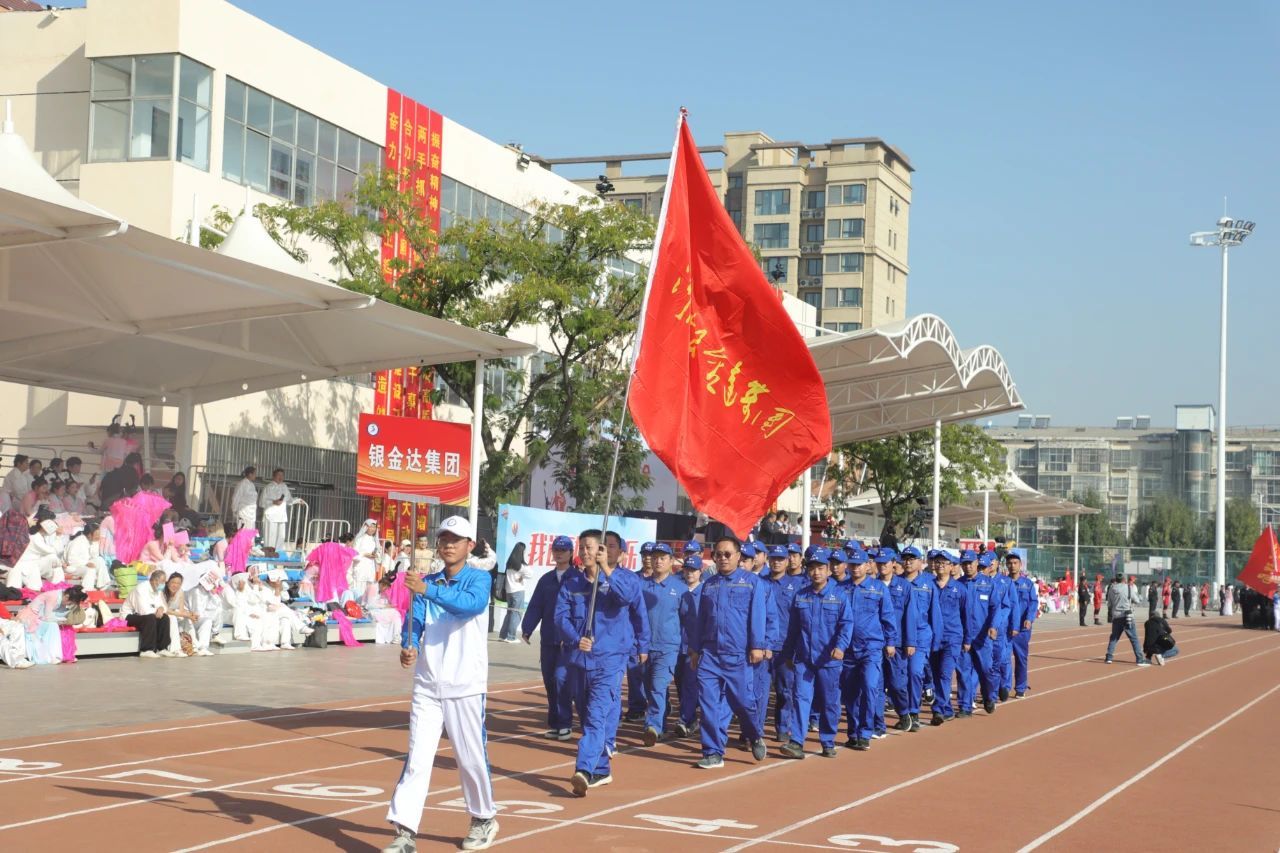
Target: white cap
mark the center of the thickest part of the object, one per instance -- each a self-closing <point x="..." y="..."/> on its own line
<point x="458" y="525"/>
<point x="404" y="542"/>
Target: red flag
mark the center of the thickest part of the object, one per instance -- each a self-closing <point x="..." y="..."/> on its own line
<point x="1262" y="571"/>
<point x="724" y="389"/>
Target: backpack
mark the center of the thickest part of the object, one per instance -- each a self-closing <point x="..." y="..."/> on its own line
<point x="319" y="638"/>
<point x="499" y="585"/>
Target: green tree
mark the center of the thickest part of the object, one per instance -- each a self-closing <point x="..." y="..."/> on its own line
<point x="557" y="266"/>
<point x="1167" y="522"/>
<point x="1095" y="529"/>
<point x="900" y="469"/>
<point x="1243" y="526"/>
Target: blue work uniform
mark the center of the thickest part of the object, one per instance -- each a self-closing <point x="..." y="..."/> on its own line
<point x="662" y="604"/>
<point x="875" y="626"/>
<point x="1027" y="609"/>
<point x="686" y="676"/>
<point x="541" y="610"/>
<point x="778" y="681"/>
<point x="980" y="609"/>
<point x="818" y="623"/>
<point x="922" y="613"/>
<point x="637" y="699"/>
<point x="732" y="620"/>
<point x="620" y="626"/>
<point x="895" y="668"/>
<point x="948" y="643"/>
<point x="1005" y="625"/>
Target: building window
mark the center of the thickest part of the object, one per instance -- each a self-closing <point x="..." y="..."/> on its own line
<point x="275" y="147"/>
<point x="813" y="266"/>
<point x="1266" y="463"/>
<point x="133" y="101"/>
<point x="772" y="235"/>
<point x="812" y="297"/>
<point x="815" y="199"/>
<point x="1121" y="458"/>
<point x="636" y="204"/>
<point x="842" y="328"/>
<point x="894" y="205"/>
<point x="738" y="219"/>
<point x="771" y="265"/>
<point x="844" y="262"/>
<point x="1237" y="460"/>
<point x="891" y="272"/>
<point x="1089" y="460"/>
<point x="845" y="229"/>
<point x="1151" y="487"/>
<point x="773" y="202"/>
<point x="1026" y="457"/>
<point x="1055" y="459"/>
<point x="1055" y="486"/>
<point x="813" y="232"/>
<point x="735" y="180"/>
<point x="1153" y="460"/>
<point x="459" y="201"/>
<point x="847" y="194"/>
<point x="844" y="297"/>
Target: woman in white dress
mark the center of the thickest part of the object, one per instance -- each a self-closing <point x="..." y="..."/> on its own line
<point x="42" y="619"/>
<point x="204" y="600"/>
<point x="175" y="605"/>
<point x="244" y="500"/>
<point x="246" y="610"/>
<point x="363" y="567"/>
<point x="84" y="562"/>
<point x="42" y="560"/>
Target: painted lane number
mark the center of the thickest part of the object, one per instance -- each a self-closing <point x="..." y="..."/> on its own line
<point x="694" y="824"/>
<point x="881" y="844"/>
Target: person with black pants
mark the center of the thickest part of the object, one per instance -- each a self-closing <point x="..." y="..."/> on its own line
<point x="1083" y="594"/>
<point x="1177" y="598"/>
<point x="144" y="611"/>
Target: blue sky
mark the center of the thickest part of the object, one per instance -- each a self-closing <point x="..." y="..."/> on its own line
<point x="1063" y="154"/>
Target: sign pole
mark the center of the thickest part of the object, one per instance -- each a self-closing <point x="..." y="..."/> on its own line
<point x="477" y="419"/>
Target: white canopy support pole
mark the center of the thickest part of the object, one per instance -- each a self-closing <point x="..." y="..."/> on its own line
<point x="806" y="506"/>
<point x="146" y="437"/>
<point x="986" y="516"/>
<point x="1075" y="550"/>
<point x="937" y="479"/>
<point x="186" y="432"/>
<point x="477" y="420"/>
<point x="193" y="234"/>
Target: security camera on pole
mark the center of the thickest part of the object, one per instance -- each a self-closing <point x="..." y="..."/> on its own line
<point x="1230" y="232"/>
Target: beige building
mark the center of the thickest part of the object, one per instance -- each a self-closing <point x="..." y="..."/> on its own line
<point x="830" y="220"/>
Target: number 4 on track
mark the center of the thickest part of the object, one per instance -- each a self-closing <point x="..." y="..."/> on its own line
<point x="694" y="824"/>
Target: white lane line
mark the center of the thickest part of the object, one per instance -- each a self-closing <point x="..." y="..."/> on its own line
<point x="947" y="768"/>
<point x="1138" y="777"/>
<point x="318" y="711"/>
<point x="1207" y="636"/>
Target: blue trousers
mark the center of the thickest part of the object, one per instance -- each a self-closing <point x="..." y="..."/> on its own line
<point x="600" y="690"/>
<point x="1021" y="652"/>
<point x="815" y="687"/>
<point x="864" y="691"/>
<point x="977" y="668"/>
<point x="944" y="662"/>
<point x="686" y="690"/>
<point x="725" y="688"/>
<point x="895" y="678"/>
<point x="555" y="675"/>
<point x="659" y="671"/>
<point x="918" y="676"/>
<point x="1001" y="663"/>
<point x="761" y="687"/>
<point x="636" y="701"/>
<point x="783" y="689"/>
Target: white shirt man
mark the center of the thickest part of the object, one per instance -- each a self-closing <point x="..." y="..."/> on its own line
<point x="16" y="482"/>
<point x="275" y="502"/>
<point x="244" y="501"/>
<point x="448" y="623"/>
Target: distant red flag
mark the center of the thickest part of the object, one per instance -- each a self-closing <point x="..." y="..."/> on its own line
<point x="1262" y="571"/>
<point x="724" y="390"/>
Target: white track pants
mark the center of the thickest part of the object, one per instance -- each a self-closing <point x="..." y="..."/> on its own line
<point x="463" y="719"/>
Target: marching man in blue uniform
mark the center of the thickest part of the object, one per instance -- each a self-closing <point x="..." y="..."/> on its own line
<point x="895" y="667"/>
<point x="948" y="638"/>
<point x="923" y="615"/>
<point x="874" y="638"/>
<point x="819" y="629"/>
<point x="980" y="610"/>
<point x="662" y="594"/>
<point x="729" y="638"/>
<point x="615" y="548"/>
<point x="1026" y="610"/>
<point x="1005" y="625"/>
<point x="686" y="677"/>
<point x="598" y="652"/>
<point x="783" y="584"/>
<point x="541" y="610"/>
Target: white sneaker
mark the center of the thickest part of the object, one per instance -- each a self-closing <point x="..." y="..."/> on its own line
<point x="148" y="654"/>
<point x="220" y="640"/>
<point x="1159" y="659"/>
<point x="23" y="664"/>
<point x="287" y="648"/>
<point x="167" y="653"/>
<point x="265" y="649"/>
<point x="204" y="653"/>
<point x="481" y="834"/>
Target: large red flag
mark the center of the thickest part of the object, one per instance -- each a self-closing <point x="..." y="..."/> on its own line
<point x="1262" y="572"/>
<point x="724" y="390"/>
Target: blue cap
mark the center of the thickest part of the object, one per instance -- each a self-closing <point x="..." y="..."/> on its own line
<point x="646" y="548"/>
<point x="986" y="559"/>
<point x="838" y="556"/>
<point x="911" y="551"/>
<point x="1012" y="555"/>
<point x="851" y="544"/>
<point x="661" y="548"/>
<point x="857" y="556"/>
<point x="748" y="549"/>
<point x="951" y="558"/>
<point x="816" y="554"/>
<point x="693" y="561"/>
<point x="562" y="543"/>
<point x="776" y="551"/>
<point x="967" y="556"/>
<point x="693" y="546"/>
<point x="794" y="548"/>
<point x="886" y="555"/>
<point x="932" y="553"/>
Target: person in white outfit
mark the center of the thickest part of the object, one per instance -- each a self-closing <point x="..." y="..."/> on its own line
<point x="364" y="566"/>
<point x="42" y="560"/>
<point x="205" y="602"/>
<point x="13" y="645"/>
<point x="244" y="500"/>
<point x="16" y="482"/>
<point x="245" y="605"/>
<point x="175" y="606"/>
<point x="83" y="558"/>
<point x="275" y="502"/>
<point x="282" y="621"/>
<point x="144" y="611"/>
<point x="445" y="643"/>
<point x="387" y="620"/>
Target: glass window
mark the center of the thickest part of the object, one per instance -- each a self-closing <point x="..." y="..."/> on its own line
<point x="236" y="97"/>
<point x="847" y="194"/>
<point x="307" y="131"/>
<point x="112" y="79"/>
<point x="281" y="170"/>
<point x="844" y="229"/>
<point x="193" y="134"/>
<point x="348" y="150"/>
<point x="326" y="173"/>
<point x="153" y="76"/>
<point x="772" y="235"/>
<point x="1121" y="458"/>
<point x="233" y="151"/>
<point x="259" y="111"/>
<point x="149" y="136"/>
<point x="133" y="104"/>
<point x="815" y="199"/>
<point x="813" y="297"/>
<point x="844" y="262"/>
<point x="327" y="147"/>
<point x="346" y="182"/>
<point x="370" y="156"/>
<point x="304" y="170"/>
<point x="110" y="136"/>
<point x="844" y="297"/>
<point x="256" y="147"/>
<point x="813" y="266"/>
<point x="845" y="328"/>
<point x="448" y="193"/>
<point x="773" y="202"/>
<point x="284" y="122"/>
<point x="196" y="82"/>
<point x="735" y="181"/>
<point x="463" y="208"/>
<point x="813" y="233"/>
<point x="1026" y="457"/>
<point x="770" y="266"/>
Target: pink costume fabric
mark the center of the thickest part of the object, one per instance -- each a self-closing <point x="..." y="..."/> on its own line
<point x="134" y="519"/>
<point x="237" y="559"/>
<point x="68" y="643"/>
<point x="333" y="559"/>
<point x="398" y="595"/>
<point x="345" y="631"/>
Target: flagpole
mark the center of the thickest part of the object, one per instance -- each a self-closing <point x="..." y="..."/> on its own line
<point x="589" y="628"/>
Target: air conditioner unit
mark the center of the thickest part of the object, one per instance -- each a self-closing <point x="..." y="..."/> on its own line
<point x="812" y="213"/>
<point x="811" y="248"/>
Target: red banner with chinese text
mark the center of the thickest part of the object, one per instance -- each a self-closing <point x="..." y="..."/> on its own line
<point x="428" y="458"/>
<point x="724" y="391"/>
<point x="1262" y="572"/>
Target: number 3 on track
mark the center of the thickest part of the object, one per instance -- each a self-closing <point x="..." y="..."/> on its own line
<point x="694" y="824"/>
<point x="880" y="844"/>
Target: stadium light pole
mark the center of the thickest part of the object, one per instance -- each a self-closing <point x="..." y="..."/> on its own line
<point x="1230" y="232"/>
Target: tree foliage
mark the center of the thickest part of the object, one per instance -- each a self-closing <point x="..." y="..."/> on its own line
<point x="1167" y="522"/>
<point x="1095" y="529"/>
<point x="1243" y="526"/>
<point x="900" y="469"/>
<point x="557" y="268"/>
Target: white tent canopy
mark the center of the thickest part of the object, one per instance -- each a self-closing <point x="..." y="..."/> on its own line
<point x="906" y="376"/>
<point x="1022" y="502"/>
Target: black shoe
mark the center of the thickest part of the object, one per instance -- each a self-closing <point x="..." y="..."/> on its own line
<point x="759" y="750"/>
<point x="852" y="743"/>
<point x="1004" y="694"/>
<point x="681" y="730"/>
<point x="651" y="736"/>
<point x="791" y="749"/>
<point x="581" y="781"/>
<point x="926" y="698"/>
<point x="963" y="714"/>
<point x="989" y="706"/>
<point x="813" y="727"/>
<point x="937" y="720"/>
<point x="862" y="744"/>
<point x="915" y="723"/>
<point x="904" y="723"/>
<point x="829" y="752"/>
<point x="1019" y="694"/>
<point x="634" y="716"/>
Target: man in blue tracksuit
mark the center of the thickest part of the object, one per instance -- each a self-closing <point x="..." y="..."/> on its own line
<point x="923" y="615"/>
<point x="598" y="652"/>
<point x="819" y="629"/>
<point x="541" y="610"/>
<point x="783" y="586"/>
<point x="948" y="637"/>
<point x="1005" y="623"/>
<point x="874" y="637"/>
<point x="795" y="560"/>
<point x="895" y="668"/>
<point x="686" y="677"/>
<point x="637" y="702"/>
<point x="729" y="638"/>
<point x="662" y="593"/>
<point x="1025" y="612"/>
<point x="981" y="608"/>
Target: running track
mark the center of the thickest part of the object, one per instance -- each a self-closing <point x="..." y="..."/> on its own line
<point x="1095" y="757"/>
